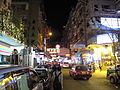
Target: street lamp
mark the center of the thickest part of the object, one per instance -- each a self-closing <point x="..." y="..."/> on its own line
<point x="45" y="40"/>
<point x="50" y="34"/>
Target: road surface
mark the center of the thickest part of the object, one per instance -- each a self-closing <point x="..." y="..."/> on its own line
<point x="97" y="82"/>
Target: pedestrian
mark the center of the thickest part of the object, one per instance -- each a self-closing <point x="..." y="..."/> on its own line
<point x="53" y="69"/>
<point x="100" y="67"/>
<point x="21" y="60"/>
<point x="58" y="79"/>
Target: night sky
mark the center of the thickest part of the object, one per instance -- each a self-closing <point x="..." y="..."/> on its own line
<point x="57" y="13"/>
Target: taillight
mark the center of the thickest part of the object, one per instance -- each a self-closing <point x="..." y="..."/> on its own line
<point x="76" y="73"/>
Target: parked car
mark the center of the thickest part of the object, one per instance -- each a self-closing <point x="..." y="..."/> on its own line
<point x="80" y="71"/>
<point x="19" y="78"/>
<point x="47" y="66"/>
<point x="66" y="65"/>
<point x="114" y="75"/>
<point x="45" y="75"/>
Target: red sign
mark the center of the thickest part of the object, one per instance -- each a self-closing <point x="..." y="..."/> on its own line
<point x="53" y="50"/>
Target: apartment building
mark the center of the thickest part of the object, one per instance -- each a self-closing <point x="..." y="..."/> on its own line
<point x="33" y="17"/>
<point x="4" y="4"/>
<point x="88" y="25"/>
<point x="7" y="43"/>
<point x="117" y="4"/>
<point x="85" y="20"/>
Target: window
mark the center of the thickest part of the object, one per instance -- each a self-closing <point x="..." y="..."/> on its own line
<point x="22" y="81"/>
<point x="33" y="35"/>
<point x="81" y="68"/>
<point x="81" y="32"/>
<point x="73" y="68"/>
<point x="33" y="21"/>
<point x="17" y="80"/>
<point x="105" y="7"/>
<point x="34" y="80"/>
<point x="42" y="73"/>
<point x="19" y="7"/>
<point x="33" y="28"/>
<point x="88" y="24"/>
<point x="21" y="78"/>
<point x="5" y="2"/>
<point x="95" y="7"/>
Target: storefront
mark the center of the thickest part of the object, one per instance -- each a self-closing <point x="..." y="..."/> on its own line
<point x="102" y="54"/>
<point x="41" y="57"/>
<point x="5" y="52"/>
<point x="5" y="48"/>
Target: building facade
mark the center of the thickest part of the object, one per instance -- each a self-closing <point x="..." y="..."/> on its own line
<point x="35" y="30"/>
<point x="89" y="19"/>
<point x="33" y="17"/>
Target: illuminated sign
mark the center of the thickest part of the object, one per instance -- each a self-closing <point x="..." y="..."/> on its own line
<point x="53" y="50"/>
<point x="79" y="45"/>
<point x="57" y="46"/>
<point x="110" y="22"/>
<point x="107" y="38"/>
<point x="39" y="53"/>
<point x="5" y="50"/>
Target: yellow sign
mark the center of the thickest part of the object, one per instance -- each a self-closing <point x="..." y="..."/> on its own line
<point x="67" y="55"/>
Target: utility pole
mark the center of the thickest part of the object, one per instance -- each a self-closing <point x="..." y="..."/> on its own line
<point x="45" y="45"/>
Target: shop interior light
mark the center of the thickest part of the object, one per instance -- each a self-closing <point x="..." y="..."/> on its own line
<point x="118" y="11"/>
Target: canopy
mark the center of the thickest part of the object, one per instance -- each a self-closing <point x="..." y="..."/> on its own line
<point x="6" y="39"/>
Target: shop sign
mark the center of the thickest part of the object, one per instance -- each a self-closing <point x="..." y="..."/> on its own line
<point x="40" y="53"/>
<point x="5" y="50"/>
<point x="53" y="50"/>
<point x="79" y="45"/>
<point x="107" y="57"/>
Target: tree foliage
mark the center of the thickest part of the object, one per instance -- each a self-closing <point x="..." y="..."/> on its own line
<point x="12" y="26"/>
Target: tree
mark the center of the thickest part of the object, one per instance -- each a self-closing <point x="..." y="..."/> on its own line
<point x="12" y="25"/>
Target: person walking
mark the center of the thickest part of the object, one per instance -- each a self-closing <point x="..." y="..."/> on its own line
<point x="58" y="79"/>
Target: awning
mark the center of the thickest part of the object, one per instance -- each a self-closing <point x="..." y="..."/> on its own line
<point x="5" y="50"/>
<point x="7" y="40"/>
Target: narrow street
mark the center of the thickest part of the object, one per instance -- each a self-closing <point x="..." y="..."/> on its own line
<point x="97" y="82"/>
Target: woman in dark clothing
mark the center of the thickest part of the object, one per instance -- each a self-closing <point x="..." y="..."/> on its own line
<point x="58" y="79"/>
